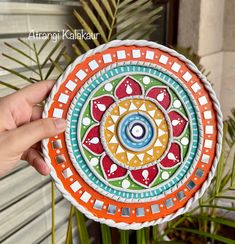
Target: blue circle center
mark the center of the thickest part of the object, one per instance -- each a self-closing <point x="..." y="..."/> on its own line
<point x="135" y="131"/>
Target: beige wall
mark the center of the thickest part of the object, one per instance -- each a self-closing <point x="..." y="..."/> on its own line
<point x="208" y="26"/>
<point x="228" y="84"/>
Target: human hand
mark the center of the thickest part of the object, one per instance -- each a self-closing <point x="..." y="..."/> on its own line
<point x="22" y="127"/>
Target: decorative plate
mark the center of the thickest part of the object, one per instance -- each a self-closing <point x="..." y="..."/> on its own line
<point x="143" y="136"/>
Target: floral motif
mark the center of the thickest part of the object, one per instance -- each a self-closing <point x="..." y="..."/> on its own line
<point x="141" y="174"/>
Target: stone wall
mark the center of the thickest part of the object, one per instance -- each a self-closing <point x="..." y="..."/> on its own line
<point x="208" y="26"/>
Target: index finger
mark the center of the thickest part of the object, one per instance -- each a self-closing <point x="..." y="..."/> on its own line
<point x="35" y="93"/>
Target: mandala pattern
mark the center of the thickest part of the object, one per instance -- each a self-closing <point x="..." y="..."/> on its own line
<point x="131" y="131"/>
<point x="143" y="134"/>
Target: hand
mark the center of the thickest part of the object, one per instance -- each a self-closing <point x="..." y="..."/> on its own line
<point x="22" y="128"/>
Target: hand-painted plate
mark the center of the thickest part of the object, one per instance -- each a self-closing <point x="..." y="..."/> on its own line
<point x="143" y="136"/>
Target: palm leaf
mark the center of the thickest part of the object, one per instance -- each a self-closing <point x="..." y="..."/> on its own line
<point x="9" y="86"/>
<point x="25" y="43"/>
<point x="82" y="43"/>
<point x="17" y="74"/>
<point x="85" y="26"/>
<point x="82" y="230"/>
<point x="108" y="7"/>
<point x="124" y="236"/>
<point x="233" y="173"/>
<point x="69" y="227"/>
<point x="205" y="234"/>
<point x="55" y="63"/>
<point x="20" y="63"/>
<point x="38" y="69"/>
<point x="76" y="49"/>
<point x="219" y="220"/>
<point x="20" y="52"/>
<point x="106" y="235"/>
<point x="130" y="16"/>
<point x="101" y="13"/>
<point x="94" y="20"/>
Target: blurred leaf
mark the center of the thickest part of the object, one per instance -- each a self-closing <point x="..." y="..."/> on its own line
<point x="82" y="230"/>
<point x="19" y="51"/>
<point x="219" y="220"/>
<point x="55" y="48"/>
<point x="218" y="206"/>
<point x="226" y="197"/>
<point x="94" y="19"/>
<point x="100" y="13"/>
<point x="221" y="164"/>
<point x="55" y="63"/>
<point x="47" y="41"/>
<point x="124" y="236"/>
<point x="25" y="43"/>
<point x="106" y="234"/>
<point x="83" y="44"/>
<point x="205" y="234"/>
<point x="52" y="212"/>
<point x="38" y="72"/>
<point x="76" y="50"/>
<point x="17" y="74"/>
<point x="233" y="173"/>
<point x="85" y="26"/>
<point x="108" y="7"/>
<point x="19" y="62"/>
<point x="112" y="13"/>
<point x="69" y="227"/>
<point x="9" y="85"/>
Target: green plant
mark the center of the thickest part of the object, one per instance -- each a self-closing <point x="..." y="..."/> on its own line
<point x="114" y="19"/>
<point x="208" y="216"/>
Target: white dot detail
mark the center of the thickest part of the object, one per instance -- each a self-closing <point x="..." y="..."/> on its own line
<point x="94" y="161"/>
<point x="184" y="141"/>
<point x="108" y="87"/>
<point x="146" y="80"/>
<point x="177" y="104"/>
<point x="137" y="131"/>
<point x="86" y="121"/>
<point x="165" y="175"/>
<point x="125" y="184"/>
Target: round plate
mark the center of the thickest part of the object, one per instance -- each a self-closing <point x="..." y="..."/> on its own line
<point x="143" y="136"/>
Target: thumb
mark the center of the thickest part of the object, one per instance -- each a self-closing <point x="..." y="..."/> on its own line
<point x="26" y="135"/>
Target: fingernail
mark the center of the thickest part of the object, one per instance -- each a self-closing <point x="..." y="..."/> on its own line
<point x="60" y="124"/>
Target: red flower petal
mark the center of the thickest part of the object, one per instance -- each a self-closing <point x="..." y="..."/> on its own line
<point x="161" y="95"/>
<point x="173" y="156"/>
<point x="178" y="123"/>
<point x="145" y="176"/>
<point x="100" y="105"/>
<point x="111" y="169"/>
<point x="128" y="87"/>
<point x="92" y="140"/>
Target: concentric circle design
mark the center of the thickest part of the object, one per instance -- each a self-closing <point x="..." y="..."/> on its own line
<point x="137" y="129"/>
<point x="143" y="137"/>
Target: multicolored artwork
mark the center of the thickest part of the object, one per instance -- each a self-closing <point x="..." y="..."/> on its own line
<point x="143" y="136"/>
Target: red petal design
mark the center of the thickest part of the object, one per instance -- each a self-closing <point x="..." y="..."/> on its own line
<point x="173" y="156"/>
<point x="100" y="105"/>
<point x="145" y="176"/>
<point x="178" y="123"/>
<point x="128" y="87"/>
<point x="161" y="95"/>
<point x="92" y="140"/>
<point x="111" y="169"/>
